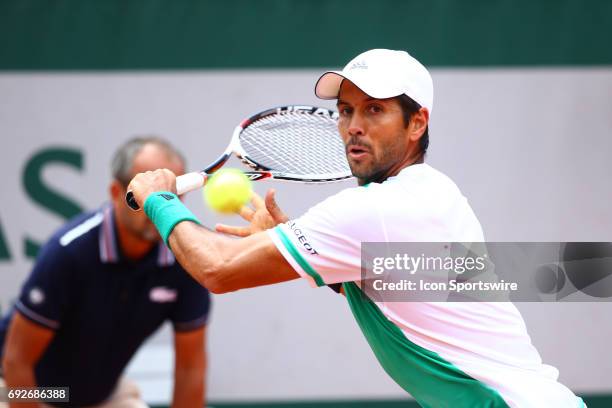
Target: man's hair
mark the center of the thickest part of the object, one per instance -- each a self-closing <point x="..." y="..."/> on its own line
<point x="123" y="160"/>
<point x="410" y="107"/>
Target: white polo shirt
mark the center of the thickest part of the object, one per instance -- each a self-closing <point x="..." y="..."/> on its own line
<point x="462" y="354"/>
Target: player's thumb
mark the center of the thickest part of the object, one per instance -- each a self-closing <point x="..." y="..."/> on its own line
<point x="277" y="214"/>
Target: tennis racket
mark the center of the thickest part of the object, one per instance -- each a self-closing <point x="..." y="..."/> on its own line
<point x="293" y="143"/>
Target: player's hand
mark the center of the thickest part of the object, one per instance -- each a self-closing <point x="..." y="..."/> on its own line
<point x="264" y="215"/>
<point x="143" y="184"/>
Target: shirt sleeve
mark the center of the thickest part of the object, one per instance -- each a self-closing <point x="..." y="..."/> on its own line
<point x="193" y="305"/>
<point x="45" y="295"/>
<point x="324" y="245"/>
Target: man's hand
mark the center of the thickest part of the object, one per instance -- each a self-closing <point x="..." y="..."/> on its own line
<point x="143" y="184"/>
<point x="263" y="216"/>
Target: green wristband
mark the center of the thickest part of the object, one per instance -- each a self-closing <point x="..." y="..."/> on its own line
<point x="166" y="210"/>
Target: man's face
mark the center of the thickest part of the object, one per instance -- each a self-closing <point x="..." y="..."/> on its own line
<point x="373" y="131"/>
<point x="136" y="223"/>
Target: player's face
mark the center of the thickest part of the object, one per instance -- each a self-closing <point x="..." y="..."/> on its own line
<point x="136" y="223"/>
<point x="378" y="144"/>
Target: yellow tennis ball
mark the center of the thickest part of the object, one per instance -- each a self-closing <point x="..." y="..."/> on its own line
<point x="227" y="190"/>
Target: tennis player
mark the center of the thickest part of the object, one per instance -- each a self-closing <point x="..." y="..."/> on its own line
<point x="100" y="287"/>
<point x="443" y="354"/>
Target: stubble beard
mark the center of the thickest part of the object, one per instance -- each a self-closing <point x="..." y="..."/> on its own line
<point x="376" y="171"/>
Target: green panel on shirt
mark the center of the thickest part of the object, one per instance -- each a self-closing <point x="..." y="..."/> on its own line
<point x="431" y="380"/>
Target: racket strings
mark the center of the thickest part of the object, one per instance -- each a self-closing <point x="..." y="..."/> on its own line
<point x="298" y="143"/>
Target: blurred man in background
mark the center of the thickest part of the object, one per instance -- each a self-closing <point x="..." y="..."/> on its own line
<point x="100" y="287"/>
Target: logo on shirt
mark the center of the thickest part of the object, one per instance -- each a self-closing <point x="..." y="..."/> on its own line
<point x="37" y="296"/>
<point x="300" y="236"/>
<point x="162" y="294"/>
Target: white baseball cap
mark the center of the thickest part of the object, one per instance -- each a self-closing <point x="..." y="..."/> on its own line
<point x="381" y="74"/>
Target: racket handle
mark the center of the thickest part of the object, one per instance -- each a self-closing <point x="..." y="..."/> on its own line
<point x="184" y="184"/>
<point x="189" y="182"/>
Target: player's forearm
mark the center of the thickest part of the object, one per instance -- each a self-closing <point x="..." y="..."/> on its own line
<point x="222" y="264"/>
<point x="202" y="253"/>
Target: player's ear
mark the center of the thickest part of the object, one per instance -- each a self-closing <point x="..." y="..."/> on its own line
<point x="115" y="190"/>
<point x="418" y="124"/>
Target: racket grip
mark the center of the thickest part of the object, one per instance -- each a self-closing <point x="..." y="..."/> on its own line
<point x="189" y="182"/>
<point x="184" y="184"/>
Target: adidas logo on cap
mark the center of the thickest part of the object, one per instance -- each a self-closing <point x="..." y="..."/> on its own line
<point x="359" y="65"/>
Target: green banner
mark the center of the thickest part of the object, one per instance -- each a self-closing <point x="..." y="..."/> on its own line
<point x="195" y="34"/>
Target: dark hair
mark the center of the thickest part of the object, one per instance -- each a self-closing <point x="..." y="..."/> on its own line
<point x="123" y="160"/>
<point x="410" y="107"/>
